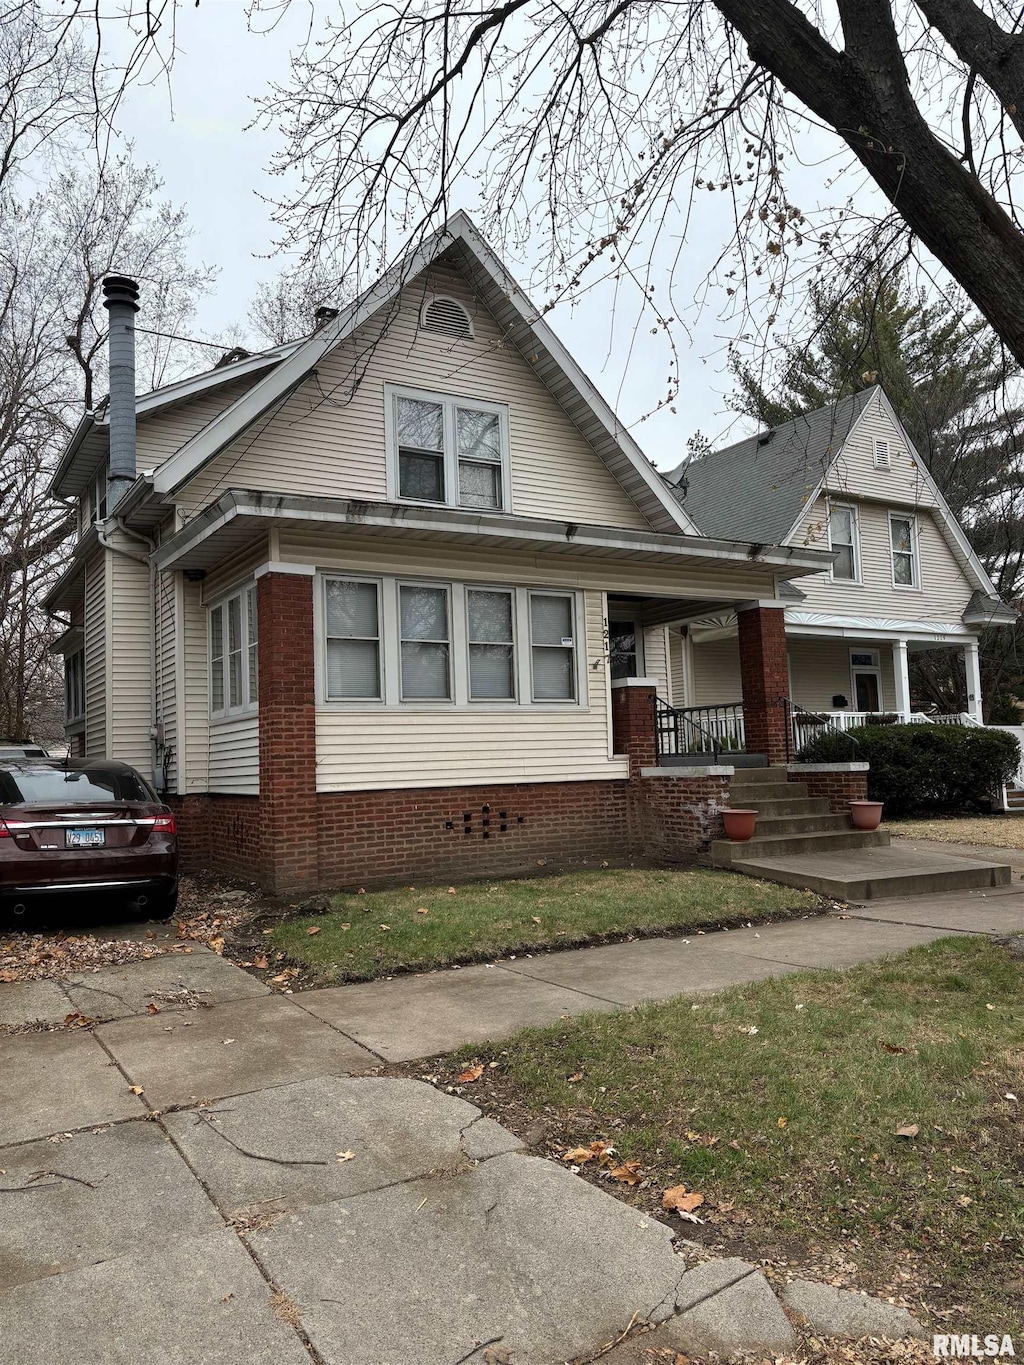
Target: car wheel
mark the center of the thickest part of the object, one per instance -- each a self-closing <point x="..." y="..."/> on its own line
<point x="160" y="905"/>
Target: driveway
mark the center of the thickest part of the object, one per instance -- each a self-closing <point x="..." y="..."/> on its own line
<point x="207" y="1173"/>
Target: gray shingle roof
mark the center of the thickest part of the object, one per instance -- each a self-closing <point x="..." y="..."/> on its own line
<point x="754" y="491"/>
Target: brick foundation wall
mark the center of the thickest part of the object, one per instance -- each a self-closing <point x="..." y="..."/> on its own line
<point x="838" y="788"/>
<point x="219" y="833"/>
<point x="633" y="726"/>
<point x="675" y="817"/>
<point x="461" y="832"/>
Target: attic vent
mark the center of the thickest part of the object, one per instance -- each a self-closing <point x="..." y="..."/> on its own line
<point x="447" y="316"/>
<point x="882" y="459"/>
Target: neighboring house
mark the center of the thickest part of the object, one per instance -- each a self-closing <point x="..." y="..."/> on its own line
<point x="903" y="576"/>
<point x="396" y="600"/>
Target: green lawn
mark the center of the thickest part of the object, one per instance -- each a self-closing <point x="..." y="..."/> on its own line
<point x="382" y="932"/>
<point x="780" y="1101"/>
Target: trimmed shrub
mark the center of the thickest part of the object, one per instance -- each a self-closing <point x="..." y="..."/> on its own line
<point x="916" y="769"/>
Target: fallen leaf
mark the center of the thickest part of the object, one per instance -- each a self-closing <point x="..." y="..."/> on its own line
<point x="153" y="1007"/>
<point x="1011" y="1097"/>
<point x="228" y="1040"/>
<point x="346" y="926"/>
<point x="575" y="1077"/>
<point x="260" y="962"/>
<point x="385" y="926"/>
<point x="472" y="1073"/>
<point x="783" y="1121"/>
<point x="535" y="918"/>
<point x="346" y="1156"/>
<point x="451" y="891"/>
<point x="423" y="910"/>
<point x="907" y="1130"/>
<point x="577" y="1155"/>
<point x="679" y="1197"/>
<point x="135" y="1089"/>
<point x="217" y="944"/>
<point x="313" y="929"/>
<point x="628" y="1173"/>
<point x="893" y="1048"/>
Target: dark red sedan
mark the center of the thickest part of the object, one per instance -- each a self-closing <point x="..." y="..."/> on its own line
<point x="84" y="827"/>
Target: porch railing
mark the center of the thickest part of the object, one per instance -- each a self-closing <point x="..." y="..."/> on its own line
<point x="803" y="725"/>
<point x="711" y="730"/>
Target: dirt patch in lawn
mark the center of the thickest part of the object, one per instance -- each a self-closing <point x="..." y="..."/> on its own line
<point x="989" y="831"/>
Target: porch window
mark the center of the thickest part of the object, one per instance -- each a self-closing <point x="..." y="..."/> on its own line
<point x="903" y="539"/>
<point x="447" y="450"/>
<point x="74" y="686"/>
<point x="491" y="645"/>
<point x="842" y="533"/>
<point x="234" y="686"/>
<point x="553" y="647"/>
<point x="425" y="642"/>
<point x="353" y="639"/>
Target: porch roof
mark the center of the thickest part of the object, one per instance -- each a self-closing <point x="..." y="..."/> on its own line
<point x="230" y="523"/>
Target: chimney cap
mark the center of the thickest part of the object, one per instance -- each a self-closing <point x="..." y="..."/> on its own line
<point x="119" y="289"/>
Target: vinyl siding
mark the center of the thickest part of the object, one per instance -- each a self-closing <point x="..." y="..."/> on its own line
<point x="853" y="471"/>
<point x="167" y="614"/>
<point x="820" y="669"/>
<point x="194" y="672"/>
<point x="162" y="435"/>
<point x="96" y="656"/>
<point x="716" y="672"/>
<point x="129" y="672"/>
<point x="328" y="439"/>
<point x="234" y="765"/>
<point x="366" y="749"/>
<point x="677" y="670"/>
<point x="656" y="658"/>
<point x="944" y="591"/>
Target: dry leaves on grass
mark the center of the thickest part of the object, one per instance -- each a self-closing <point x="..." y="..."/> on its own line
<point x="679" y="1197"/>
<point x="602" y="1154"/>
<point x="471" y="1074"/>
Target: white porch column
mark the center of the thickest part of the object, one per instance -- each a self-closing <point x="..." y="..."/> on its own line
<point x="972" y="668"/>
<point x="901" y="675"/>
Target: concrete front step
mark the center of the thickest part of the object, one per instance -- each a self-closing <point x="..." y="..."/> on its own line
<point x="800" y="824"/>
<point x="874" y="874"/>
<point x="766" y="791"/>
<point x="725" y="852"/>
<point x="790" y="805"/>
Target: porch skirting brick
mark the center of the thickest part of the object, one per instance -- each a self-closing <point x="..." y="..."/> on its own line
<point x="455" y="833"/>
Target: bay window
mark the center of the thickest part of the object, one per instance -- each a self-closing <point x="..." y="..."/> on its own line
<point x="401" y="642"/>
<point x="233" y="637"/>
<point x="447" y="450"/>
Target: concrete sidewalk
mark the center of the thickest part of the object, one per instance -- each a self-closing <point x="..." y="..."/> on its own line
<point x="211" y="1182"/>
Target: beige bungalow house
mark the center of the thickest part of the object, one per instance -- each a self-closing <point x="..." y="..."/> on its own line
<point x="405" y="599"/>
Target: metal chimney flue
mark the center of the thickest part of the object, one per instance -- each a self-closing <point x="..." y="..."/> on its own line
<point x="120" y="298"/>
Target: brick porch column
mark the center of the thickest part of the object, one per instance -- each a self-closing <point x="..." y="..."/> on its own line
<point x="633" y="722"/>
<point x="287" y="698"/>
<point x="764" y="677"/>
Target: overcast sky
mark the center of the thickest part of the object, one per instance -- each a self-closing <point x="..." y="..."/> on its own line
<point x="196" y="135"/>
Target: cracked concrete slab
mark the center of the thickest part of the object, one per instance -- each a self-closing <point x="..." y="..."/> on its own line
<point x="173" y="981"/>
<point x="187" y="1056"/>
<point x="197" y="1301"/>
<point x="31" y="1002"/>
<point x="845" y="1313"/>
<point x="92" y="1197"/>
<point x="651" y="969"/>
<point x="727" y="1306"/>
<point x="396" y="1129"/>
<point x="57" y="1082"/>
<point x="419" y="1016"/>
<point x="517" y="1250"/>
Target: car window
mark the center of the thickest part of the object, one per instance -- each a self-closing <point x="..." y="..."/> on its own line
<point x="69" y="787"/>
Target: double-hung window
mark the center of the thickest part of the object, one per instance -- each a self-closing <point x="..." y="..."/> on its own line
<point x="424" y="620"/>
<point x="234" y="684"/>
<point x="450" y="451"/>
<point x="842" y="531"/>
<point x="353" y="640"/>
<point x="552" y="646"/>
<point x="74" y="686"/>
<point x="491" y="643"/>
<point x="903" y="539"/>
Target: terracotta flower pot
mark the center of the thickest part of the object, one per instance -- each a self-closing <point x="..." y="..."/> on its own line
<point x="866" y="814"/>
<point x="739" y="824"/>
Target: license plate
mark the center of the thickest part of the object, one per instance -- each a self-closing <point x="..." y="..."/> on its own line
<point x="84" y="838"/>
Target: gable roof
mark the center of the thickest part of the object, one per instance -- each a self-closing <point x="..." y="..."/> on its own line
<point x="757" y="489"/>
<point x="461" y="245"/>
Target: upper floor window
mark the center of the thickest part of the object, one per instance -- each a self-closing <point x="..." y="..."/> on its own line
<point x="94" y="502"/>
<point x="903" y="539"/>
<point x="234" y="634"/>
<point x="74" y="686"/>
<point x="843" y="538"/>
<point x="883" y="457"/>
<point x="449" y="451"/>
<point x="446" y="316"/>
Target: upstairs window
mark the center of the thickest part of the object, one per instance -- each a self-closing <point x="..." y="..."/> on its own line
<point x="447" y="317"/>
<point x="74" y="686"/>
<point x="842" y="533"/>
<point x="448" y="451"/>
<point x="234" y="685"/>
<point x="903" y="539"/>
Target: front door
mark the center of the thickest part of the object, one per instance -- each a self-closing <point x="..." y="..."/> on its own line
<point x="867" y="680"/>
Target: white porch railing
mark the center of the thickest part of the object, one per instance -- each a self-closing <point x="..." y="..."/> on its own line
<point x="806" y="725"/>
